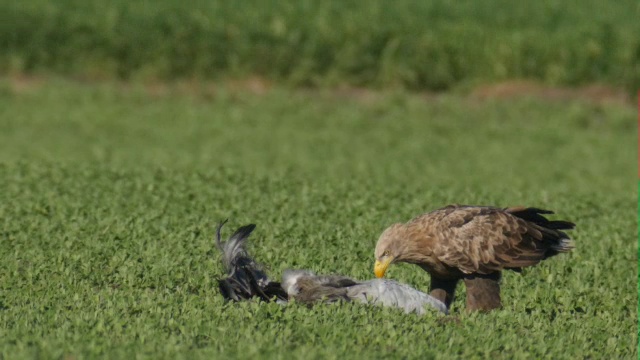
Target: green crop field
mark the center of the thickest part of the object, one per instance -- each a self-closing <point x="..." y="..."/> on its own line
<point x="110" y="194"/>
<point x="414" y="44"/>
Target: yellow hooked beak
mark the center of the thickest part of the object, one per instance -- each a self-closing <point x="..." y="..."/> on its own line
<point x="381" y="266"/>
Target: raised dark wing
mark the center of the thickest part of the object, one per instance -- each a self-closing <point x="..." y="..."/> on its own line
<point x="245" y="278"/>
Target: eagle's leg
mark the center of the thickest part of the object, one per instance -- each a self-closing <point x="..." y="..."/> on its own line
<point x="483" y="291"/>
<point x="443" y="289"/>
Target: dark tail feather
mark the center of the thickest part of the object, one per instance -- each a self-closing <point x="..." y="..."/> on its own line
<point x="534" y="215"/>
<point x="560" y="225"/>
<point x="558" y="240"/>
<point x="245" y="278"/>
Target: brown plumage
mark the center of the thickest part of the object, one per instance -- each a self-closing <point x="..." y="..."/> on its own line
<point x="474" y="243"/>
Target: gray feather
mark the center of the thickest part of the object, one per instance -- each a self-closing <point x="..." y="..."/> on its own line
<point x="394" y="294"/>
<point x="305" y="286"/>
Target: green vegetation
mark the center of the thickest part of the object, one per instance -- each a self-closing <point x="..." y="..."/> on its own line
<point x="411" y="44"/>
<point x="110" y="195"/>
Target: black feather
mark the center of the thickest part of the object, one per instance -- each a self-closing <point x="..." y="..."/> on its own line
<point x="245" y="278"/>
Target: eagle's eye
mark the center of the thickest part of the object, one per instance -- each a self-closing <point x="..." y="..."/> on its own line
<point x="385" y="253"/>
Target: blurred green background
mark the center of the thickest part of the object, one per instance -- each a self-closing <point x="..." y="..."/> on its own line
<point x="433" y="45"/>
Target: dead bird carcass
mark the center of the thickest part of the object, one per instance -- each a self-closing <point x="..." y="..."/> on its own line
<point x="246" y="279"/>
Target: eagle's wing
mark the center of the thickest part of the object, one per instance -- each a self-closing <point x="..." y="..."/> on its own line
<point x="483" y="240"/>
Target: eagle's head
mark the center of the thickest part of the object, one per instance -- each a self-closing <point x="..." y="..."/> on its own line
<point x="390" y="248"/>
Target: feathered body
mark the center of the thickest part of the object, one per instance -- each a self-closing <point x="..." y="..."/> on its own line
<point x="309" y="288"/>
<point x="474" y="243"/>
<point x="246" y="279"/>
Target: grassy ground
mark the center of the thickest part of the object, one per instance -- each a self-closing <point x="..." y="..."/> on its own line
<point x="110" y="195"/>
<point x="415" y="44"/>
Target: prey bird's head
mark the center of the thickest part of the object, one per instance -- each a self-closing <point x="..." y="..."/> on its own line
<point x="389" y="249"/>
